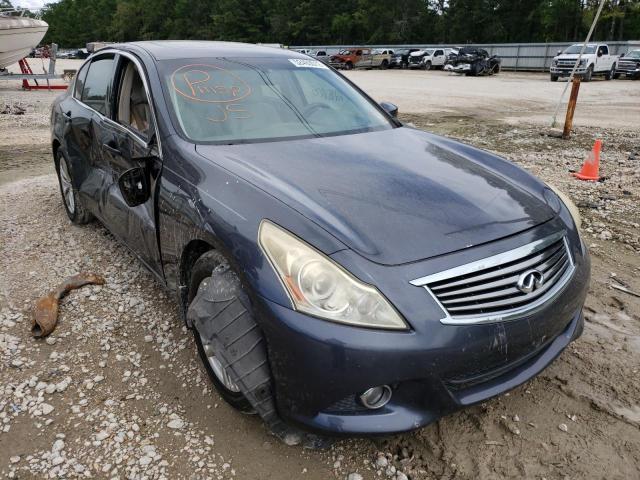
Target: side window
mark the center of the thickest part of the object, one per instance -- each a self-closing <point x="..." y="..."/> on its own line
<point x="97" y="86"/>
<point x="604" y="49"/>
<point x="359" y="52"/>
<point x="133" y="105"/>
<point x="80" y="78"/>
<point x="439" y="53"/>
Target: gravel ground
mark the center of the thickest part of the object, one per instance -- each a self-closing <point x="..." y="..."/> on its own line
<point x="117" y="391"/>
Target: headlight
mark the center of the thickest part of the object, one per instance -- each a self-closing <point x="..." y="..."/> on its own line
<point x="573" y="209"/>
<point x="319" y="287"/>
<point x="583" y="61"/>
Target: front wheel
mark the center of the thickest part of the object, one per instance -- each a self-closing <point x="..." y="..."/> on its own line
<point x="349" y="66"/>
<point x="588" y="74"/>
<point x="384" y="65"/>
<point x="553" y="78"/>
<point x="203" y="271"/>
<point x="427" y="66"/>
<point x="76" y="211"/>
<point x="611" y="73"/>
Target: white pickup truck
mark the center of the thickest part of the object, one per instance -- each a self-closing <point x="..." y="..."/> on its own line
<point x="595" y="60"/>
<point x="429" y="58"/>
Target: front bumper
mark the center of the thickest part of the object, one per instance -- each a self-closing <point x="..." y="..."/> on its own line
<point x="630" y="73"/>
<point x="460" y="68"/>
<point x="320" y="367"/>
<point x="566" y="71"/>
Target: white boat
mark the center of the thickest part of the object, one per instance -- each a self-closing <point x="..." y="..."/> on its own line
<point x="18" y="35"/>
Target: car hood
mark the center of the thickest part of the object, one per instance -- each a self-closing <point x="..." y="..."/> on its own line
<point x="393" y="196"/>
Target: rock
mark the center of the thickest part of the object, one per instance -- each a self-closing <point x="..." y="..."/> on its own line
<point x="46" y="409"/>
<point x="16" y="459"/>
<point x="605" y="235"/>
<point x="382" y="461"/>
<point x="401" y="476"/>
<point x="563" y="427"/>
<point x="176" y="424"/>
<point x="354" y="476"/>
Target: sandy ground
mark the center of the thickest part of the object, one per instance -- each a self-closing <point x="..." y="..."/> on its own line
<point x="514" y="97"/>
<point x="117" y="391"/>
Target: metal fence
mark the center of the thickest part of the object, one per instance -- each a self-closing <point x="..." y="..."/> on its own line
<point x="515" y="56"/>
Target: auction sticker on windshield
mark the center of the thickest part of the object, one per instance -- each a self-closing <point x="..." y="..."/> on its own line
<point x="304" y="63"/>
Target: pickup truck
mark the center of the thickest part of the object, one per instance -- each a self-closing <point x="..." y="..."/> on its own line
<point x="595" y="60"/>
<point x="430" y="58"/>
<point x="361" y="58"/>
<point x="629" y="65"/>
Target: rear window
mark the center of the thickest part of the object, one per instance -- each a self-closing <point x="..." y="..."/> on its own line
<point x="97" y="85"/>
<point x="243" y="100"/>
<point x="575" y="49"/>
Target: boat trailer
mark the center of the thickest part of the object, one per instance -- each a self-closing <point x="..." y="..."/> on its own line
<point x="26" y="74"/>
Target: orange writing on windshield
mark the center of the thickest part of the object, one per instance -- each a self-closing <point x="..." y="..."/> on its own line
<point x="208" y="83"/>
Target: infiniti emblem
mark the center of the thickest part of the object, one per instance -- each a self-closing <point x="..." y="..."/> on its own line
<point x="530" y="280"/>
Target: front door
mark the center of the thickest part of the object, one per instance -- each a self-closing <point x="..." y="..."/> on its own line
<point x="129" y="153"/>
<point x="364" y="58"/>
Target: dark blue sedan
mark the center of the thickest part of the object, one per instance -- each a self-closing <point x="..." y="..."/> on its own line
<point x="340" y="271"/>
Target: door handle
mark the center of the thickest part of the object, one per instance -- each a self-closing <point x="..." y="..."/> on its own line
<point x="111" y="149"/>
<point x="67" y="116"/>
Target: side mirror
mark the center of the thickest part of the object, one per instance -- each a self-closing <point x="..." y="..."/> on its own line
<point x="559" y="52"/>
<point x="134" y="186"/>
<point x="390" y="108"/>
<point x="622" y="55"/>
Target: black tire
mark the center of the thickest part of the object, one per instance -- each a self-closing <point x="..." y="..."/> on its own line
<point x="611" y="73"/>
<point x="349" y="66"/>
<point x="427" y="66"/>
<point x="553" y="78"/>
<point x="496" y="69"/>
<point x="201" y="270"/>
<point x="76" y="211"/>
<point x="616" y="76"/>
<point x="588" y="74"/>
<point x="384" y="65"/>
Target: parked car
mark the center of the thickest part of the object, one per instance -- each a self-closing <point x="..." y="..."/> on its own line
<point x="629" y="65"/>
<point x="361" y="58"/>
<point x="381" y="58"/>
<point x="473" y="61"/>
<point x="400" y="58"/>
<point x="595" y="60"/>
<point x="430" y="58"/>
<point x="339" y="270"/>
<point x="321" y="55"/>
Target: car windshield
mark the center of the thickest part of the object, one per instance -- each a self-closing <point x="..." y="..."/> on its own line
<point x="634" y="54"/>
<point x="242" y="100"/>
<point x="574" y="49"/>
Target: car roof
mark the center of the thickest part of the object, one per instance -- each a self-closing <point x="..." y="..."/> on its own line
<point x="174" y="49"/>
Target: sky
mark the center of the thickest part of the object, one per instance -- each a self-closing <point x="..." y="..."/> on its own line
<point x="30" y="3"/>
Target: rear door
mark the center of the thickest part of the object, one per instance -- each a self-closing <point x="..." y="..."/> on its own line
<point x="76" y="134"/>
<point x="130" y="156"/>
<point x="92" y="103"/>
<point x="364" y="58"/>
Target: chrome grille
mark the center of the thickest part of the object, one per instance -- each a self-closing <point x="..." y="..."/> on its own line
<point x="627" y="66"/>
<point x="495" y="289"/>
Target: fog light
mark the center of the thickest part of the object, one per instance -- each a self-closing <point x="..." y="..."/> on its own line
<point x="376" y="397"/>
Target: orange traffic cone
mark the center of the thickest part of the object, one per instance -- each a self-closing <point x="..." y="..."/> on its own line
<point x="591" y="167"/>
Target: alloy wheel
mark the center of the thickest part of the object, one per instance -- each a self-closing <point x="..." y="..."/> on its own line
<point x="67" y="187"/>
<point x="218" y="369"/>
